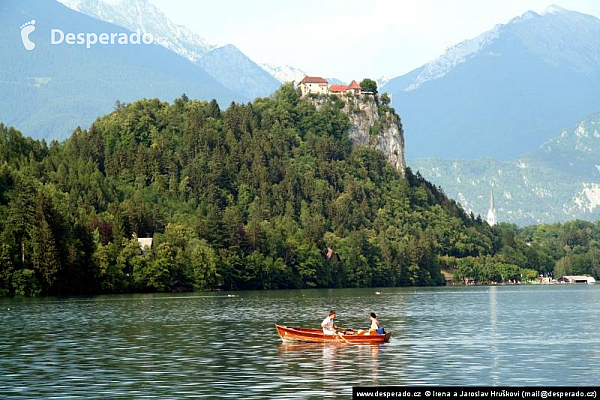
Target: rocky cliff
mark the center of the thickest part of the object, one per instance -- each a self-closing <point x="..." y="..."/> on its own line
<point x="373" y="125"/>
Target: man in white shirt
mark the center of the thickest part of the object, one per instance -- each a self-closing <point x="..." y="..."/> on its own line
<point x="328" y="325"/>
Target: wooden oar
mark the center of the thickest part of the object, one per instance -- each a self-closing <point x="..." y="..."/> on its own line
<point x="340" y="334"/>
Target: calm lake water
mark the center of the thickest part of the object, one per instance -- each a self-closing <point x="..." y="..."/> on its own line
<point x="214" y="346"/>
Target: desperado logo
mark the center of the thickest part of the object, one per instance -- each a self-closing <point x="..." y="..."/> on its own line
<point x="57" y="36"/>
<point x="26" y="29"/>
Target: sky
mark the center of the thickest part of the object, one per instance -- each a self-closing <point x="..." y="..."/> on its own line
<point x="350" y="39"/>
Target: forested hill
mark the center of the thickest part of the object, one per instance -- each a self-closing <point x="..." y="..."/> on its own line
<point x="247" y="198"/>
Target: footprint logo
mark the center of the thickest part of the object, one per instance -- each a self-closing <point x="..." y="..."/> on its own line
<point x="26" y="29"/>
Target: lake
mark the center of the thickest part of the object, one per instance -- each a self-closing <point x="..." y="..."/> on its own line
<point x="203" y="345"/>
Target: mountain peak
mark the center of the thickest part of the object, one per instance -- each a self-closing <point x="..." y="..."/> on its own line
<point x="540" y="28"/>
<point x="143" y="15"/>
<point x="284" y="73"/>
<point x="553" y="9"/>
<point x="524" y="17"/>
<point x="480" y="87"/>
<point x="229" y="48"/>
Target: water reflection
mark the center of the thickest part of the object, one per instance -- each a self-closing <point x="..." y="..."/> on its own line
<point x="369" y="357"/>
<point x="493" y="295"/>
<point x="190" y="346"/>
<point x="335" y="365"/>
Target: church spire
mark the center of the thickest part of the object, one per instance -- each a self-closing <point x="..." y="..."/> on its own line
<point x="491" y="216"/>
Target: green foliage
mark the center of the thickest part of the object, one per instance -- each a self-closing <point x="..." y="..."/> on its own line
<point x="369" y="85"/>
<point x="25" y="283"/>
<point x="157" y="276"/>
<point x="6" y="270"/>
<point x="385" y="99"/>
<point x="204" y="261"/>
<point x="265" y="195"/>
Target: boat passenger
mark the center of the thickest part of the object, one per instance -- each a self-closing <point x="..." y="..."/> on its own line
<point x="328" y="324"/>
<point x="375" y="325"/>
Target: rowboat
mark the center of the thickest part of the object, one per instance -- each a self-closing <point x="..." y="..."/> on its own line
<point x="295" y="334"/>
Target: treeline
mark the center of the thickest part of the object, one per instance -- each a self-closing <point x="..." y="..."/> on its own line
<point x="555" y="250"/>
<point x="264" y="195"/>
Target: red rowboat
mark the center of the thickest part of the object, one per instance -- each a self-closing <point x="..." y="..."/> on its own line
<point x="295" y="334"/>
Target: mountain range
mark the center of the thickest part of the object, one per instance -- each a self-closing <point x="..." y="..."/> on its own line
<point x="505" y="92"/>
<point x="226" y="64"/>
<point x="513" y="110"/>
<point x="54" y="88"/>
<point x="559" y="181"/>
<point x="143" y="15"/>
<point x="284" y="73"/>
<point x="51" y="89"/>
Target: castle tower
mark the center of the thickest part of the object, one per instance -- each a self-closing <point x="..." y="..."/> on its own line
<point x="491" y="216"/>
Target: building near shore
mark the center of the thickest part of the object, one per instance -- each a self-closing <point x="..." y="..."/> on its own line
<point x="580" y="279"/>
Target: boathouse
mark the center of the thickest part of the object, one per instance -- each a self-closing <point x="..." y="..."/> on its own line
<point x="580" y="279"/>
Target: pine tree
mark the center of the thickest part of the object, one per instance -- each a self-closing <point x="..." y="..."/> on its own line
<point x="21" y="217"/>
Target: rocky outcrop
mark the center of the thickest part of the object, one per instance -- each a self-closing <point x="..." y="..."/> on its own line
<point x="373" y="126"/>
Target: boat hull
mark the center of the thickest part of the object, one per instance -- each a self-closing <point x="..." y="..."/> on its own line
<point x="295" y="334"/>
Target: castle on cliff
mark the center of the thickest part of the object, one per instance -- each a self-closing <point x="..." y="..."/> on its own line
<point x="318" y="85"/>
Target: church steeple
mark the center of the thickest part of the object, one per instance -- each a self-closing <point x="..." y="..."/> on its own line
<point x="491" y="216"/>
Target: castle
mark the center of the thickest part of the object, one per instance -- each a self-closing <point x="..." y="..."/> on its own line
<point x="318" y="85"/>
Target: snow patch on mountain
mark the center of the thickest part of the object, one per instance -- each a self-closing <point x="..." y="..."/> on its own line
<point x="436" y="171"/>
<point x="383" y="80"/>
<point x="589" y="197"/>
<point x="525" y="17"/>
<point x="521" y="164"/>
<point x="553" y="9"/>
<point x="284" y="73"/>
<point x="583" y="148"/>
<point x="542" y="192"/>
<point x="462" y="200"/>
<point x="580" y="131"/>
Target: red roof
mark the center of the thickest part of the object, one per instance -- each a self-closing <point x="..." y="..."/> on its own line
<point x="338" y="88"/>
<point x="313" y="79"/>
<point x="354" y="85"/>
